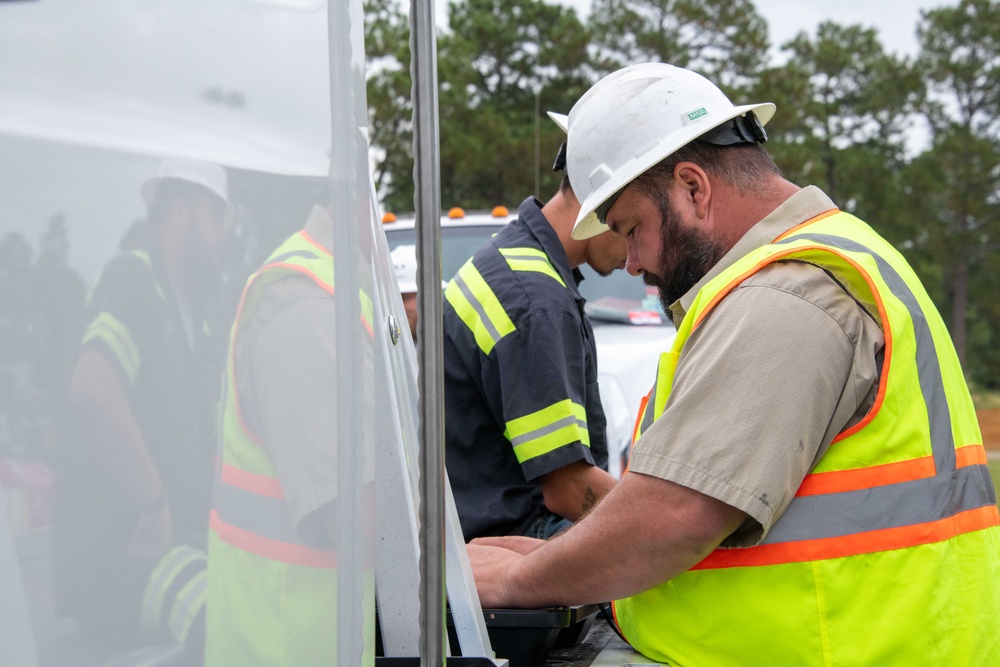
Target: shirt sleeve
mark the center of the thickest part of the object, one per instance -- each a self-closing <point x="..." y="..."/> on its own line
<point x="537" y="377"/>
<point x="293" y="368"/>
<point x="784" y="363"/>
<point x="118" y="302"/>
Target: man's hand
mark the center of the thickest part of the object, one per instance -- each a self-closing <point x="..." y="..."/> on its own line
<point x="491" y="565"/>
<point x="660" y="527"/>
<point x="152" y="536"/>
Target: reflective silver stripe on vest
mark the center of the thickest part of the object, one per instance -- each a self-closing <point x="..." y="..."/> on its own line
<point x="946" y="494"/>
<point x="478" y="307"/>
<point x="890" y="506"/>
<point x="929" y="368"/>
<point x="260" y="515"/>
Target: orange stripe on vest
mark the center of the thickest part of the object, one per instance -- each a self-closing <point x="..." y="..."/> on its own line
<point x="292" y="554"/>
<point x="854" y="545"/>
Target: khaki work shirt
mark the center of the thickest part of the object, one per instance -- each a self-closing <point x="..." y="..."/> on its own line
<point x="286" y="370"/>
<point x="780" y="366"/>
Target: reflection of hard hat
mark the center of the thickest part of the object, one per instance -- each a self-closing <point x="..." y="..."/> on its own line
<point x="404" y="261"/>
<point x="635" y="117"/>
<point x="210" y="176"/>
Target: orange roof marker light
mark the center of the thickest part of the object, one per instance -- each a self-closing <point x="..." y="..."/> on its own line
<point x="456" y="212"/>
<point x="500" y="212"/>
<point x="388" y="217"/>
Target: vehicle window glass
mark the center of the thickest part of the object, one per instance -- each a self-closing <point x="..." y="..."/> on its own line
<point x="458" y="244"/>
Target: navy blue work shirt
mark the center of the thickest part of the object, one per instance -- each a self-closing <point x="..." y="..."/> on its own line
<point x="520" y="363"/>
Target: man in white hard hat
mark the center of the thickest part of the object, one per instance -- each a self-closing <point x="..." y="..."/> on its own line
<point x="133" y="494"/>
<point x="808" y="484"/>
<point x="525" y="435"/>
<point x="404" y="262"/>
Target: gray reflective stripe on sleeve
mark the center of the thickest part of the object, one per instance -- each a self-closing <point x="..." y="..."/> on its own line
<point x="545" y="430"/>
<point x="188" y="603"/>
<point x="161" y="579"/>
<point x="491" y="329"/>
<point x="527" y="258"/>
<point x="928" y="365"/>
<point x="891" y="506"/>
<point x="260" y="515"/>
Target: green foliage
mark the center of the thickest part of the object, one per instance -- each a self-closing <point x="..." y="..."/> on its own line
<point x="390" y="111"/>
<point x="957" y="196"/>
<point x="725" y="40"/>
<point x="844" y="108"/>
<point x="504" y="64"/>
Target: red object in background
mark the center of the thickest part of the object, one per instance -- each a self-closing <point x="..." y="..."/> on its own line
<point x="27" y="488"/>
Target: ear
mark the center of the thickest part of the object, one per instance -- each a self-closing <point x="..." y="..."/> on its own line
<point x="695" y="185"/>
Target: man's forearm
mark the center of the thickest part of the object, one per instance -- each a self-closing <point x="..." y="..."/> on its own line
<point x="643" y="533"/>
<point x="574" y="490"/>
<point x="105" y="419"/>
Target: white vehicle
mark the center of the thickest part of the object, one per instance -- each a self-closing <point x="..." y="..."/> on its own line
<point x="630" y="328"/>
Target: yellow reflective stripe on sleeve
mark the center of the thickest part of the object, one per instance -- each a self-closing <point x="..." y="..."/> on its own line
<point x="548" y="429"/>
<point x="530" y="259"/>
<point x="478" y="307"/>
<point x="187" y="605"/>
<point x="107" y="329"/>
<point x="161" y="579"/>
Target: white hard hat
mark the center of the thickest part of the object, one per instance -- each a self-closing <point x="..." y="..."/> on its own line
<point x="210" y="176"/>
<point x="404" y="262"/>
<point x="632" y="119"/>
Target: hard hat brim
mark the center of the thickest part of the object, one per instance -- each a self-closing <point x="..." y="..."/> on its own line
<point x="587" y="225"/>
<point x="562" y="120"/>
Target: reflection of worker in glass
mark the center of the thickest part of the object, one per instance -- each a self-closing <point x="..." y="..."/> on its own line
<point x="404" y="262"/>
<point x="272" y="591"/>
<point x="133" y="494"/>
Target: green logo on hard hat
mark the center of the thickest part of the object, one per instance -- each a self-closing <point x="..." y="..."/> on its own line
<point x="697" y="114"/>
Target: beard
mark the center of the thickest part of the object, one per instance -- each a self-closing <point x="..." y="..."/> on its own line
<point x="686" y="255"/>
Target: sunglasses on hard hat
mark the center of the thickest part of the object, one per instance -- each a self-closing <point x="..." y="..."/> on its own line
<point x="605" y="207"/>
<point x="740" y="131"/>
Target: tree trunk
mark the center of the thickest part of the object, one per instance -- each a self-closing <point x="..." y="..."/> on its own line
<point x="959" y="305"/>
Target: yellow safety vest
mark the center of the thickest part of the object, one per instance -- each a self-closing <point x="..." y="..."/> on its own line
<point x="889" y="553"/>
<point x="271" y="597"/>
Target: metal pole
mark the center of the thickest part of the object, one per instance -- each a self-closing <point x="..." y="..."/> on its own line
<point x="538" y="93"/>
<point x="352" y="275"/>
<point x="427" y="205"/>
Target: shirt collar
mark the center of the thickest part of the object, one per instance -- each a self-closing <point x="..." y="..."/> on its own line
<point x="805" y="204"/>
<point x="320" y="227"/>
<point x="530" y="213"/>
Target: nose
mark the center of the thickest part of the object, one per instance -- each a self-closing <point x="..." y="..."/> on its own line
<point x="632" y="264"/>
